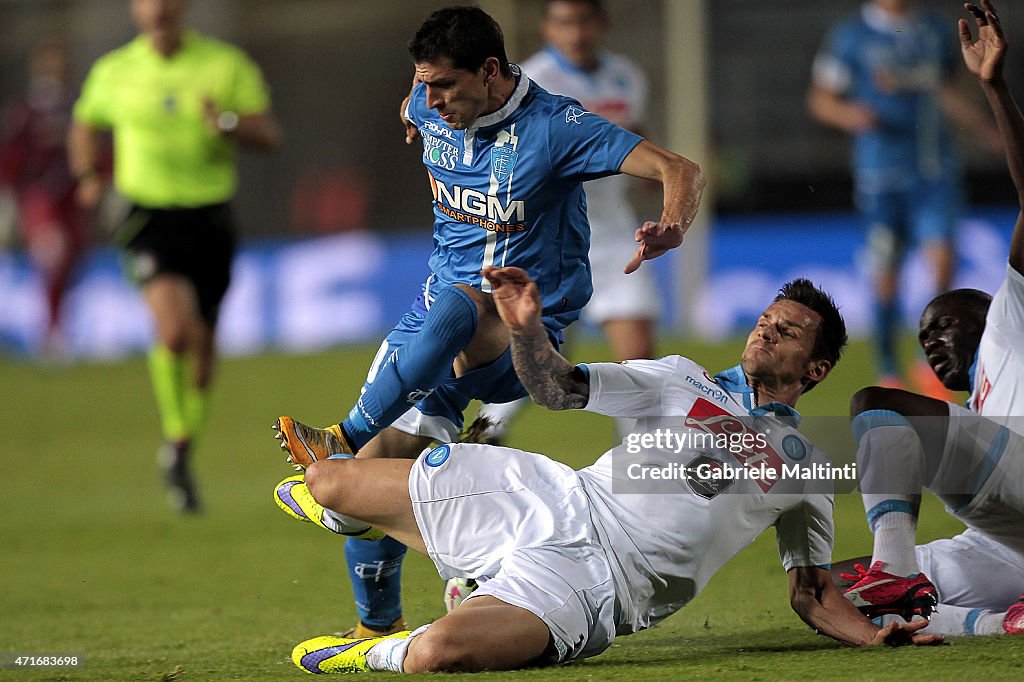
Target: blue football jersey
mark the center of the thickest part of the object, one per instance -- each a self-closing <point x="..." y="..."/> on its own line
<point x="509" y="191"/>
<point x="896" y="67"/>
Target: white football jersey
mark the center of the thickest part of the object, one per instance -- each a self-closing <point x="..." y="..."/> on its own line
<point x="616" y="90"/>
<point x="998" y="391"/>
<point x="997" y="507"/>
<point x="668" y="532"/>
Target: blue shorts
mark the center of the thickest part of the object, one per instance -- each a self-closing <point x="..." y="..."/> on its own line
<point x="925" y="212"/>
<point x="439" y="413"/>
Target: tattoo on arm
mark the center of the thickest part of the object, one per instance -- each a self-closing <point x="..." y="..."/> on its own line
<point x="552" y="381"/>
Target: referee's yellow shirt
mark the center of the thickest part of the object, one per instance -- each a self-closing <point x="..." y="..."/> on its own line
<point x="165" y="153"/>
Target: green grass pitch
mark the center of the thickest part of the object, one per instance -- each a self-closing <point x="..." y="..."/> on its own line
<point x="94" y="563"/>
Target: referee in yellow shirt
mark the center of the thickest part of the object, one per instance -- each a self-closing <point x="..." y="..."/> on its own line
<point x="178" y="103"/>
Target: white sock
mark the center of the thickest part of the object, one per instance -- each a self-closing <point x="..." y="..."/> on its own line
<point x="956" y="621"/>
<point x="389" y="654"/>
<point x="341" y="523"/>
<point x="894" y="543"/>
<point x="890" y="463"/>
<point x="960" y="620"/>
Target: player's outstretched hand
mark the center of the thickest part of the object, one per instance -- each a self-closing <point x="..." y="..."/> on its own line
<point x="655" y="239"/>
<point x="901" y="634"/>
<point x="983" y="57"/>
<point x="515" y="295"/>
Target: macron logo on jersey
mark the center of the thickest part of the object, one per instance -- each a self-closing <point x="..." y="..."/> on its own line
<point x="711" y="391"/>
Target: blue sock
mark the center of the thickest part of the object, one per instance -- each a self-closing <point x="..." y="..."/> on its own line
<point x="375" y="569"/>
<point x="886" y="329"/>
<point x="415" y="369"/>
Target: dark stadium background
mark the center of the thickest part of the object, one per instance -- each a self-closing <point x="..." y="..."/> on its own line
<point x="338" y="70"/>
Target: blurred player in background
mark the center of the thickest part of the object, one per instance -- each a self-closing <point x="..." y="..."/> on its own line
<point x="572" y="63"/>
<point x="975" y="464"/>
<point x="569" y="560"/>
<point x="885" y="77"/>
<point x="34" y="166"/>
<point x="506" y="162"/>
<point x="178" y="104"/>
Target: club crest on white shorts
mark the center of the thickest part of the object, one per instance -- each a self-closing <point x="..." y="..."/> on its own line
<point x="437" y="456"/>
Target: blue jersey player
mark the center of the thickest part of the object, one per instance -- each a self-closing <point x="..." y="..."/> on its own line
<point x="884" y="76"/>
<point x="506" y="162"/>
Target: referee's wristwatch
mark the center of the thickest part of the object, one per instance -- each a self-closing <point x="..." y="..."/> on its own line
<point x="227" y="122"/>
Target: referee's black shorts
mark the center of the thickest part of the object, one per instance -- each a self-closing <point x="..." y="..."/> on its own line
<point x="197" y="243"/>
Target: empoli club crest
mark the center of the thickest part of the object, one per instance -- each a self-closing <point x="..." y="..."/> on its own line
<point x="503" y="160"/>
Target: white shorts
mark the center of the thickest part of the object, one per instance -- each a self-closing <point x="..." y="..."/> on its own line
<point x="519" y="523"/>
<point x="986" y="461"/>
<point x="983" y="467"/>
<point x="435" y="427"/>
<point x="973" y="571"/>
<point x="618" y="296"/>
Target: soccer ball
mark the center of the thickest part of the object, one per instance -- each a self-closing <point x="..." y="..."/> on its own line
<point x="456" y="590"/>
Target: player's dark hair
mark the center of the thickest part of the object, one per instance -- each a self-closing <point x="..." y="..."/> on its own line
<point x="596" y="5"/>
<point x="465" y="35"/>
<point x="831" y="339"/>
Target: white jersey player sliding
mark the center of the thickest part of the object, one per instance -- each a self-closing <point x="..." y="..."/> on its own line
<point x="568" y="560"/>
<point x="975" y="464"/>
